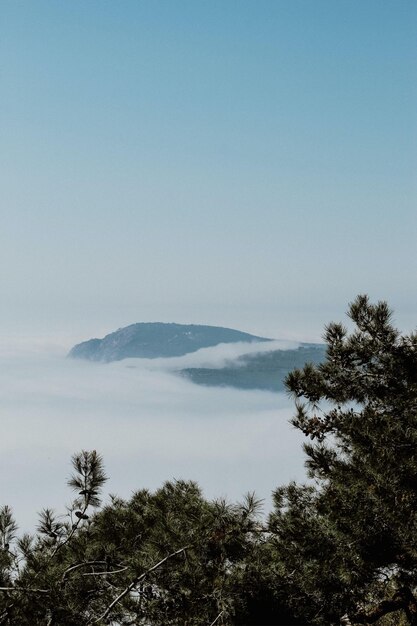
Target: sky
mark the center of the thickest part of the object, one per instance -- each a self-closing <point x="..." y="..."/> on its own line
<point x="250" y="164"/>
<point x="243" y="163"/>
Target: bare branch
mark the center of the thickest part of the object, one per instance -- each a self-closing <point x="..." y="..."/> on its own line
<point x="78" y="565"/>
<point x="115" y="571"/>
<point x="217" y="618"/>
<point x="25" y="589"/>
<point x="135" y="582"/>
<point x="70" y="536"/>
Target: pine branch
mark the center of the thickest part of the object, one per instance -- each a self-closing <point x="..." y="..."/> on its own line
<point x="8" y="527"/>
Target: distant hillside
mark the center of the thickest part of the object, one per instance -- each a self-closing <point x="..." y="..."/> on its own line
<point x="155" y="339"/>
<point x="262" y="370"/>
<point x="265" y="371"/>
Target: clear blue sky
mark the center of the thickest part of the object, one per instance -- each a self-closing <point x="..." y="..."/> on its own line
<point x="246" y="163"/>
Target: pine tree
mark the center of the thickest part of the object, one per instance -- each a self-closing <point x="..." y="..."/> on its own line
<point x="348" y="541"/>
<point x="168" y="558"/>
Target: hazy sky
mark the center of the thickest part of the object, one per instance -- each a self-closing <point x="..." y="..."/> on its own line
<point x="245" y="163"/>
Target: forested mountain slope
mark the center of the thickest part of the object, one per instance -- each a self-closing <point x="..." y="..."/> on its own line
<point x="265" y="371"/>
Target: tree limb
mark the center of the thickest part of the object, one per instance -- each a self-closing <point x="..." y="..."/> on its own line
<point x="78" y="565"/>
<point x="25" y="589"/>
<point x="71" y="534"/>
<point x="135" y="582"/>
<point x="402" y="600"/>
<point x="114" y="571"/>
<point x="217" y="618"/>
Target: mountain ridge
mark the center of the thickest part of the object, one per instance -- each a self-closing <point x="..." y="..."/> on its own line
<point x="158" y="339"/>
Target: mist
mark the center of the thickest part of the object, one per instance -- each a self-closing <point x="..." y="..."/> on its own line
<point x="149" y="423"/>
<point x="216" y="357"/>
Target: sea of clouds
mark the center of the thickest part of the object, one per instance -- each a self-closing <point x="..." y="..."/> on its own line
<point x="150" y="424"/>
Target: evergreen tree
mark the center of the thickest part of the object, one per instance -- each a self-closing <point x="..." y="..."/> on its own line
<point x="165" y="558"/>
<point x="348" y="541"/>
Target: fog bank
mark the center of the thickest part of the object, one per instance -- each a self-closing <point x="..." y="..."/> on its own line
<point x="149" y="424"/>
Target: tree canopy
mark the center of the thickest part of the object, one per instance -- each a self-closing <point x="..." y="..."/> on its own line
<point x="168" y="557"/>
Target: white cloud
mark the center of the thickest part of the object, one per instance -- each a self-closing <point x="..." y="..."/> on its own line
<point x="215" y="357"/>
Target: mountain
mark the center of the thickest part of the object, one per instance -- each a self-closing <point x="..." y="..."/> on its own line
<point x="156" y="339"/>
<point x="265" y="371"/>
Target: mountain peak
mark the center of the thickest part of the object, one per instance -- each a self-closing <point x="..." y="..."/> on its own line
<point x="157" y="339"/>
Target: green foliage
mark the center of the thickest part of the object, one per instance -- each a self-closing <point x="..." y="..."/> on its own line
<point x="165" y="558"/>
<point x="358" y="525"/>
<point x="88" y="478"/>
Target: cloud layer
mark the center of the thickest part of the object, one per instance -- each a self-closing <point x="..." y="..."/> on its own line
<point x="216" y="357"/>
<point x="149" y="424"/>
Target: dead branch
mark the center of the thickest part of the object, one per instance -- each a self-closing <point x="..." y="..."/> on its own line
<point x="25" y="589"/>
<point x="135" y="582"/>
<point x="114" y="571"/>
<point x="78" y="565"/>
<point x="217" y="618"/>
